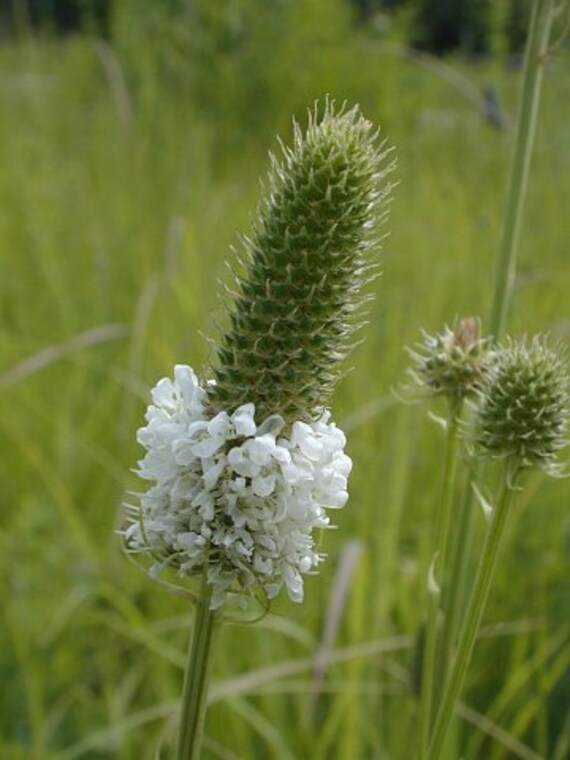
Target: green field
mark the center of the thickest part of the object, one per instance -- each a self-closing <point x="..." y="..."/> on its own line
<point x="125" y="177"/>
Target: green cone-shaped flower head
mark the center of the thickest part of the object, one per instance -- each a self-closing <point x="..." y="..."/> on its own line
<point x="452" y="362"/>
<point x="524" y="404"/>
<point x="311" y="249"/>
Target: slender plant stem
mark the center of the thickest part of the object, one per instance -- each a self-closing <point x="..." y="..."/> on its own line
<point x="443" y="523"/>
<point x="193" y="708"/>
<point x="473" y="615"/>
<point x="535" y="57"/>
<point x="458" y="588"/>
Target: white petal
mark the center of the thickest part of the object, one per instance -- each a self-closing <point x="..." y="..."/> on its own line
<point x="262" y="565"/>
<point x="295" y="587"/>
<point x="281" y="454"/>
<point x="184" y="376"/>
<point x="267" y="543"/>
<point x="304" y="437"/>
<point x="163" y="394"/>
<point x="263" y="486"/>
<point x="184" y="487"/>
<point x="243" y="419"/>
<point x="196" y="428"/>
<point x="238" y="485"/>
<point x="274" y="424"/>
<point x="343" y="464"/>
<point x="240" y="462"/>
<point x="182" y="450"/>
<point x="212" y="473"/>
<point x="336" y="499"/>
<point x="219" y="425"/>
<point x="207" y="447"/>
<point x="260" y="449"/>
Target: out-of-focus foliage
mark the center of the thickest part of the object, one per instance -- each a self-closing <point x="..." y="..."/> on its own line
<point x="60" y="16"/>
<point x="443" y="25"/>
<point x="233" y="59"/>
<point x="516" y="24"/>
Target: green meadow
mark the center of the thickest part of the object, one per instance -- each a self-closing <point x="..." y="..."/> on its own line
<point x="127" y="173"/>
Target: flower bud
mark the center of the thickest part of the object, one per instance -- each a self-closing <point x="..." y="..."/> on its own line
<point x="523" y="412"/>
<point x="451" y="363"/>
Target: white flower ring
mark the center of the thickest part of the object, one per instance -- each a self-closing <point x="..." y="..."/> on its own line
<point x="237" y="498"/>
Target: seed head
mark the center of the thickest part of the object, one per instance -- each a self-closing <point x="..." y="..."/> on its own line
<point x="523" y="412"/>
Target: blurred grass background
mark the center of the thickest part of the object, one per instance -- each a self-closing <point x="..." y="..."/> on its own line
<point x="129" y="162"/>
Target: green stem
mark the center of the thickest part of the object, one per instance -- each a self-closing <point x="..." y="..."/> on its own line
<point x="474" y="614"/>
<point x="458" y="588"/>
<point x="535" y="56"/>
<point x="193" y="709"/>
<point x="443" y="523"/>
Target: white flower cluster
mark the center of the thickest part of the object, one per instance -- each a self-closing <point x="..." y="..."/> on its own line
<point x="237" y="498"/>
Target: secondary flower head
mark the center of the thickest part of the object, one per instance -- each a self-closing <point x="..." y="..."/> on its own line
<point x="453" y="362"/>
<point x="243" y="466"/>
<point x="523" y="412"/>
<point x="233" y="498"/>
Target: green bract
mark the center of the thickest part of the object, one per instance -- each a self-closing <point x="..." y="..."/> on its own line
<point x="524" y="404"/>
<point x="305" y="261"/>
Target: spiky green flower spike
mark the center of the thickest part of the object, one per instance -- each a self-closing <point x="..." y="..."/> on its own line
<point x="524" y="404"/>
<point x="309" y="253"/>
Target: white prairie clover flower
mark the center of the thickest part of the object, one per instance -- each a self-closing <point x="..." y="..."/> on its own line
<point x="244" y="467"/>
<point x="231" y="497"/>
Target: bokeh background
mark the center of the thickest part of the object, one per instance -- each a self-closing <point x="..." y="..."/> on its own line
<point x="133" y="135"/>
